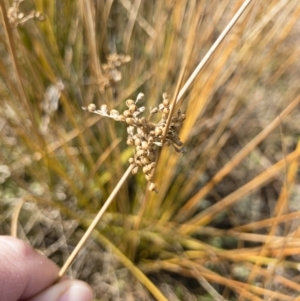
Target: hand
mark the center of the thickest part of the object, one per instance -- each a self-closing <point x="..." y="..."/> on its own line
<point x="28" y="275"/>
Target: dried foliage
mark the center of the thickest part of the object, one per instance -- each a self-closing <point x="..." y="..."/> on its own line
<point x="224" y="223"/>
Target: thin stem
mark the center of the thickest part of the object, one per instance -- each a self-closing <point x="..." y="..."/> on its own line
<point x="208" y="287"/>
<point x="187" y="55"/>
<point x="212" y="50"/>
<point x="14" y="60"/>
<point x="179" y="94"/>
<point x="94" y="223"/>
<point x="15" y="218"/>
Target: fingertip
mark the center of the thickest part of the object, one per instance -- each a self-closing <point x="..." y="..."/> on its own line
<point x="66" y="290"/>
<point x="78" y="291"/>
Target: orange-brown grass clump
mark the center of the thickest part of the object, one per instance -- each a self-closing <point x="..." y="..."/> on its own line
<point x="224" y="223"/>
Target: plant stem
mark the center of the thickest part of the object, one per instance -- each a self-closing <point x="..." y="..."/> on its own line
<point x="212" y="49"/>
<point x="94" y="223"/>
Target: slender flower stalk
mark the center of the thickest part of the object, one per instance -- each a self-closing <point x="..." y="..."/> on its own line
<point x="212" y="50"/>
<point x="94" y="223"/>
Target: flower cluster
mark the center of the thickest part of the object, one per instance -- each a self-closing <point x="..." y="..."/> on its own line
<point x="50" y="103"/>
<point x="145" y="136"/>
<point x="110" y="70"/>
<point x="15" y="17"/>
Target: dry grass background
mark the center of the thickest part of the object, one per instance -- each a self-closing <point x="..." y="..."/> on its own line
<point x="225" y="222"/>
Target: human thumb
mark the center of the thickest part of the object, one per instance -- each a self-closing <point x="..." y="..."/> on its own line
<point x="65" y="290"/>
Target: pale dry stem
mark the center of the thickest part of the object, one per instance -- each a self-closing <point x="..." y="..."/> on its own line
<point x="94" y="223"/>
<point x="212" y="50"/>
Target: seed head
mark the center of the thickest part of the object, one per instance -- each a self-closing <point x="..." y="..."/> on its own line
<point x="132" y="108"/>
<point x="145" y="136"/>
<point x="127" y="113"/>
<point x="158" y="131"/>
<point x="122" y="118"/>
<point x="129" y="120"/>
<point x="129" y="102"/>
<point x="152" y="187"/>
<point x="91" y="107"/>
<point x="165" y="99"/>
<point x="140" y="153"/>
<point x="148" y="177"/>
<point x="154" y="110"/>
<point x="135" y="170"/>
<point x="104" y="109"/>
<point x="114" y="113"/>
<point x="166" y="110"/>
<point x="139" y="97"/>
<point x="130" y="141"/>
<point x="145" y="160"/>
<point x="137" y="142"/>
<point x="144" y="145"/>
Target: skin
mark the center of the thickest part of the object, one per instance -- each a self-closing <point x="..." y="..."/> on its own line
<point x="29" y="276"/>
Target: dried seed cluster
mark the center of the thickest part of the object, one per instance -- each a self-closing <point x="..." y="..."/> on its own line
<point x="15" y="17"/>
<point x="111" y="74"/>
<point x="50" y="103"/>
<point x="144" y="135"/>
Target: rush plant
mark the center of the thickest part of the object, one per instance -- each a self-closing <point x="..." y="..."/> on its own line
<point x="221" y="149"/>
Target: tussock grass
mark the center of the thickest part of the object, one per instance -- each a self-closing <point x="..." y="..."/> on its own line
<point x="224" y="224"/>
